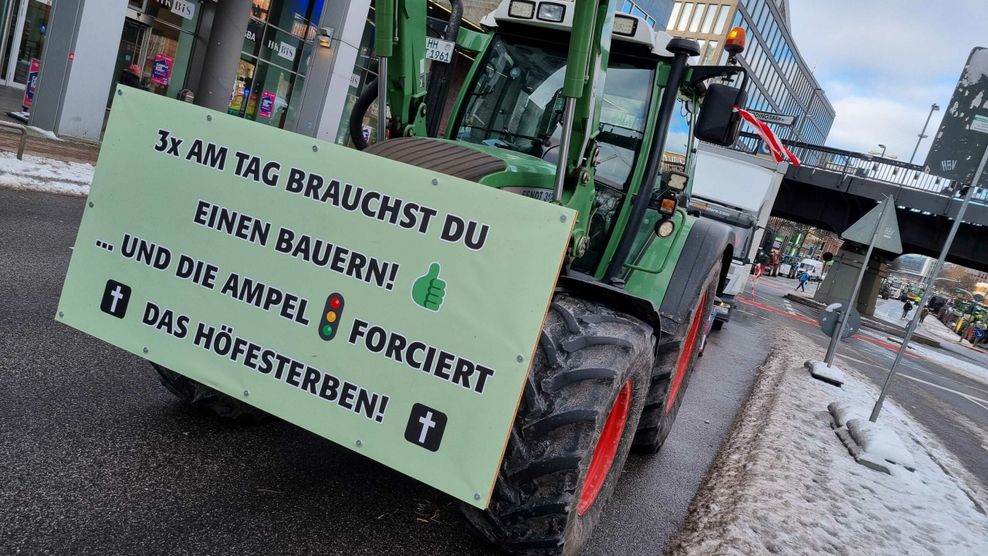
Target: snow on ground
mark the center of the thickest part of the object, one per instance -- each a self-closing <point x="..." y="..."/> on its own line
<point x="784" y="483"/>
<point x="45" y="174"/>
<point x="966" y="365"/>
<point x="890" y="310"/>
<point x="973" y="371"/>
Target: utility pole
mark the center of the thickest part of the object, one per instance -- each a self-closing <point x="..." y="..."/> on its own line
<point x="929" y="285"/>
<point x="922" y="134"/>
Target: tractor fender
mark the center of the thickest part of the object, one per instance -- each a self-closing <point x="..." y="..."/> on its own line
<point x="587" y="287"/>
<point x="708" y="242"/>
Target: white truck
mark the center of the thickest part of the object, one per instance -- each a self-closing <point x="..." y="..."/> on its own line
<point x="737" y="189"/>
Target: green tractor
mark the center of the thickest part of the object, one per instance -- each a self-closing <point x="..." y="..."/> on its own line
<point x="570" y="103"/>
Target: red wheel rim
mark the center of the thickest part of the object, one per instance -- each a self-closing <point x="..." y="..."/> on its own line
<point x="606" y="449"/>
<point x="684" y="356"/>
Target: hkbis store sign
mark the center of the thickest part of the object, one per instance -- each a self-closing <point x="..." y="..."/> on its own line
<point x="388" y="308"/>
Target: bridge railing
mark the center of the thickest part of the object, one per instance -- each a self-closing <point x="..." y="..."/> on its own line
<point x="867" y="166"/>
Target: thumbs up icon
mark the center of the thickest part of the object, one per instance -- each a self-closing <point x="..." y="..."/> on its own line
<point x="429" y="290"/>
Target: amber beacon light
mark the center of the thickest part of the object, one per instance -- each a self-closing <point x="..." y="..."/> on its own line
<point x="736" y="40"/>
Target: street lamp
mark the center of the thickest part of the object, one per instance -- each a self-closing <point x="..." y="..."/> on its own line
<point x="922" y="134"/>
<point x="883" y="150"/>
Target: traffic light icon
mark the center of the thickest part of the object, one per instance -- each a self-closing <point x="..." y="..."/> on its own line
<point x="330" y="320"/>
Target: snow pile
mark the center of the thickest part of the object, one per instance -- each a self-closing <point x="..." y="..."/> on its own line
<point x="826" y="373"/>
<point x="785" y="484"/>
<point x="45" y="174"/>
<point x="875" y="444"/>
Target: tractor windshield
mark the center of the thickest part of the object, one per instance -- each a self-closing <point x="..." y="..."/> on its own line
<point x="516" y="103"/>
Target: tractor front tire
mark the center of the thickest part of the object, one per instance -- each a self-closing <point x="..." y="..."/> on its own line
<point x="676" y="357"/>
<point x="200" y="396"/>
<point x="573" y="431"/>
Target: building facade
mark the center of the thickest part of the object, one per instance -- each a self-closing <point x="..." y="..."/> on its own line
<point x="270" y="61"/>
<point x="655" y="12"/>
<point x="781" y="82"/>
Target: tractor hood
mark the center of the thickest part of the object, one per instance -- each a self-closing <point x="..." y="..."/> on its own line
<point x="492" y="166"/>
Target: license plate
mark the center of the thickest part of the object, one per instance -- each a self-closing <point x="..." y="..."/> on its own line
<point x="439" y="50"/>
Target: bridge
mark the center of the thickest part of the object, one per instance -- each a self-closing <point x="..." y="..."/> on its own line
<point x="833" y="188"/>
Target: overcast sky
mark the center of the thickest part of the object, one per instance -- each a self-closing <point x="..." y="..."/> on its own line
<point x="883" y="63"/>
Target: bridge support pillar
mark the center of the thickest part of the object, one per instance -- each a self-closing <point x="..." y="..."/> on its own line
<point x="839" y="282"/>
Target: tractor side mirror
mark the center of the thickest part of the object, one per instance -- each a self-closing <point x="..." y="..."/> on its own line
<point x="717" y="122"/>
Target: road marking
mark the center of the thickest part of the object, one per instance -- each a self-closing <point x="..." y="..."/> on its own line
<point x="774" y="310"/>
<point x="968" y="397"/>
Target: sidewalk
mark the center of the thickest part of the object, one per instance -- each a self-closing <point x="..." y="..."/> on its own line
<point x="70" y="151"/>
<point x="785" y="484"/>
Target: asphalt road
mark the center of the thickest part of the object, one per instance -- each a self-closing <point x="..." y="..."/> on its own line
<point x="951" y="404"/>
<point x="96" y="457"/>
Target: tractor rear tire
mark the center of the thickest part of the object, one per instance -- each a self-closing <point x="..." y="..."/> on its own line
<point x="200" y="396"/>
<point x="676" y="359"/>
<point x="573" y="431"/>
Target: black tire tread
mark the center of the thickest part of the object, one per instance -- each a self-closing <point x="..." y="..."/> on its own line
<point x="202" y="397"/>
<point x="586" y="353"/>
<point x="655" y="423"/>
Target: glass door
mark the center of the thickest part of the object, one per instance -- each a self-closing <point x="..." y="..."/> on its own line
<point x="25" y="40"/>
<point x="132" y="46"/>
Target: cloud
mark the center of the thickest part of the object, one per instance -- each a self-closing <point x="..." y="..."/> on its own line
<point x="883" y="63"/>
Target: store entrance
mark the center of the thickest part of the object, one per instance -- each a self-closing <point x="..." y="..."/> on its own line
<point x="133" y="49"/>
<point x="24" y="39"/>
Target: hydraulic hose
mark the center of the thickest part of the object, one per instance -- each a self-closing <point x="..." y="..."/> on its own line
<point x="439" y="74"/>
<point x="356" y="121"/>
<point x="681" y="49"/>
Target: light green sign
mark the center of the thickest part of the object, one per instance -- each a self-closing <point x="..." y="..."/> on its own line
<point x="388" y="308"/>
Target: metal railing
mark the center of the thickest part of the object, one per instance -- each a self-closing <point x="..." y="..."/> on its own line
<point x="865" y="166"/>
<point x="23" y="141"/>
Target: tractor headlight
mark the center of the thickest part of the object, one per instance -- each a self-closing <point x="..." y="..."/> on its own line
<point x="625" y="25"/>
<point x="676" y="180"/>
<point x="551" y="12"/>
<point x="665" y="228"/>
<point x="521" y="9"/>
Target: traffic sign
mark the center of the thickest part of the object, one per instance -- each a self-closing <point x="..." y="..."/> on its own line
<point x="887" y="239"/>
<point x="828" y="321"/>
<point x="773" y="118"/>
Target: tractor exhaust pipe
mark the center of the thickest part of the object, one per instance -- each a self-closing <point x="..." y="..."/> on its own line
<point x="568" y="115"/>
<point x="682" y="49"/>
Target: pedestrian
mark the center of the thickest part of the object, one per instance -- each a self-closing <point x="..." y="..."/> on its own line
<point x="131" y="77"/>
<point x="759" y="270"/>
<point x="906" y="307"/>
<point x="804" y="277"/>
<point x="922" y="314"/>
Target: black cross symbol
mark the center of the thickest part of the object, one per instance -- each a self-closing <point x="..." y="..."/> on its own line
<point x="425" y="427"/>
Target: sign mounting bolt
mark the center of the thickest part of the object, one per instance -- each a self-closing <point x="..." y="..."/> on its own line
<point x="119" y="92"/>
<point x="519" y="358"/>
<point x="90" y="204"/>
<point x="209" y="118"/>
<point x="562" y="218"/>
<point x="246" y="393"/>
<point x="476" y="496"/>
<point x="435" y="181"/>
<point x="359" y="443"/>
<point x="145" y="350"/>
<point x="61" y="314"/>
<point x="315" y="148"/>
